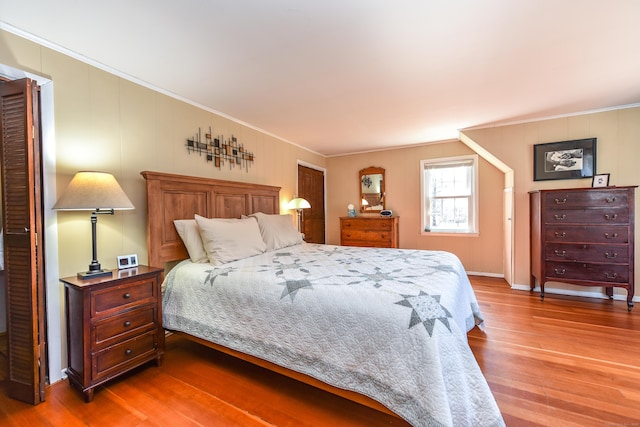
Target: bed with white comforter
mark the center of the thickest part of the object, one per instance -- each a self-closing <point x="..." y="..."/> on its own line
<point x="389" y="324"/>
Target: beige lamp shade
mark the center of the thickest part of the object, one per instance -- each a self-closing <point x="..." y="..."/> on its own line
<point x="298" y="203"/>
<point x="93" y="191"/>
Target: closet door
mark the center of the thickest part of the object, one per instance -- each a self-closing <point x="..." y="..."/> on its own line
<point x="22" y="224"/>
<point x="311" y="187"/>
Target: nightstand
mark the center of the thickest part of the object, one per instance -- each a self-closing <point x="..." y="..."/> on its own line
<point x="114" y="324"/>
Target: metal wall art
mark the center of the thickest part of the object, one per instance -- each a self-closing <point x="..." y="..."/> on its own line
<point x="220" y="151"/>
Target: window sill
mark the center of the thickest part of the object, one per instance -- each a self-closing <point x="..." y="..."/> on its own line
<point x="449" y="234"/>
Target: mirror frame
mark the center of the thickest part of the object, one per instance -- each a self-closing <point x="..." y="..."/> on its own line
<point x="371" y="171"/>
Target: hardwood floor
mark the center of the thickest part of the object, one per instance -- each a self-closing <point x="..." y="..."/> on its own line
<point x="564" y="361"/>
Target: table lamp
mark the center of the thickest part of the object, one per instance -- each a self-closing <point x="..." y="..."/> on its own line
<point x="98" y="192"/>
<point x="298" y="203"/>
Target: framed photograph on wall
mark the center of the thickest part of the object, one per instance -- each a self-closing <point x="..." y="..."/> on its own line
<point x="600" y="180"/>
<point x="564" y="160"/>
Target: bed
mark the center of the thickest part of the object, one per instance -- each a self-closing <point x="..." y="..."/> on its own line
<point x="357" y="322"/>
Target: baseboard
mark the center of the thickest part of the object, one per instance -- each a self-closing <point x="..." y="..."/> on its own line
<point x="478" y="273"/>
<point x="573" y="292"/>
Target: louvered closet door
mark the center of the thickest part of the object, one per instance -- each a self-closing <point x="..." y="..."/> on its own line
<point x="22" y="224"/>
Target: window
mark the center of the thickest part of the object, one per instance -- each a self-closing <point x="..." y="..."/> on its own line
<point x="449" y="194"/>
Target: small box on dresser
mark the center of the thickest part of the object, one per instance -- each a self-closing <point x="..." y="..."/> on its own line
<point x="380" y="232"/>
<point x="114" y="324"/>
<point x="583" y="237"/>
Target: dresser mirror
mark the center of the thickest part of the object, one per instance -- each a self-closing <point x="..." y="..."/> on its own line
<point x="371" y="184"/>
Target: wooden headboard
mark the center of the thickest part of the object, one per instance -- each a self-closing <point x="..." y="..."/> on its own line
<point x="172" y="197"/>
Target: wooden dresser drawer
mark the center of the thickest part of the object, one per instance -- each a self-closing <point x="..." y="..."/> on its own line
<point x="372" y="237"/>
<point x="117" y="328"/>
<point x="588" y="216"/>
<point x="371" y="224"/>
<point x="119" y="297"/>
<point x="592" y="234"/>
<point x="588" y="271"/>
<point x="618" y="254"/>
<point x="587" y="199"/>
<point x="112" y="359"/>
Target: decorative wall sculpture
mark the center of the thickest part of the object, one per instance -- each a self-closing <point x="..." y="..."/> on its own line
<point x="220" y="151"/>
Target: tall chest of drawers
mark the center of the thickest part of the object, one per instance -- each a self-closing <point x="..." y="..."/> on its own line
<point x="583" y="237"/>
<point x="380" y="232"/>
<point x="114" y="324"/>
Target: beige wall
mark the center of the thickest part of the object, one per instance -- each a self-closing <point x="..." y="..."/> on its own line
<point x="618" y="151"/>
<point x="482" y="254"/>
<point x="103" y="122"/>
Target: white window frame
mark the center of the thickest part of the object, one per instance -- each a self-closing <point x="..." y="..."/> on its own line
<point x="425" y="204"/>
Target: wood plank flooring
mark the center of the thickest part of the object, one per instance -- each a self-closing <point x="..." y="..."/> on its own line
<point x="564" y="361"/>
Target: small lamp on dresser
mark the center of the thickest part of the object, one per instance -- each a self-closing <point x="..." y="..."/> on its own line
<point x="98" y="192"/>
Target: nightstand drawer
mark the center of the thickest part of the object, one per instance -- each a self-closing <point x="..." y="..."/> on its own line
<point x="118" y="327"/>
<point x="120" y="296"/>
<point x="115" y="359"/>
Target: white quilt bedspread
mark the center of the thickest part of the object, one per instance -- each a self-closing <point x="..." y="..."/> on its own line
<point x="387" y="323"/>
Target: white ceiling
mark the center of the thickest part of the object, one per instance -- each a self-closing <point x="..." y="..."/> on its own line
<point x="341" y="76"/>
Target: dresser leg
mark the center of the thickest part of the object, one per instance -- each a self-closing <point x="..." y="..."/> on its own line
<point x="88" y="395"/>
<point x="609" y="292"/>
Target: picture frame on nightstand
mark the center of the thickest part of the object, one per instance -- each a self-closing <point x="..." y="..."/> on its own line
<point x="127" y="261"/>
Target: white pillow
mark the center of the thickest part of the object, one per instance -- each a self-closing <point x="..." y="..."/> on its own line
<point x="277" y="231"/>
<point x="227" y="240"/>
<point x="190" y="234"/>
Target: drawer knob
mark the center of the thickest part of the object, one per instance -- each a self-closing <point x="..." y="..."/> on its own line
<point x="610" y="256"/>
<point x="611" y="276"/>
<point x="610" y="236"/>
<point x="560" y="217"/>
<point x="126" y="296"/>
<point x="610" y="217"/>
<point x="611" y="199"/>
<point x="127" y="324"/>
<point x="128" y="352"/>
<point x="560" y="234"/>
<point x="561" y="202"/>
<point x="560" y="271"/>
<point x="560" y="253"/>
